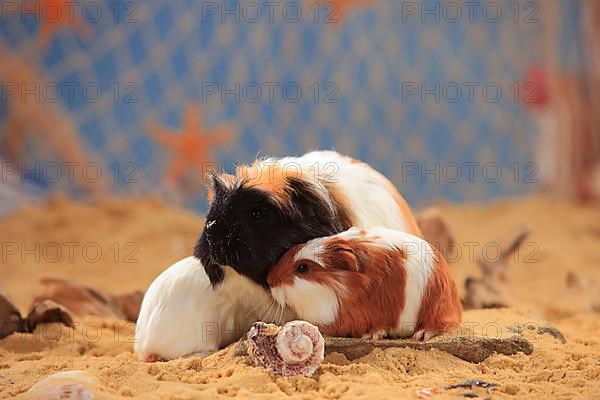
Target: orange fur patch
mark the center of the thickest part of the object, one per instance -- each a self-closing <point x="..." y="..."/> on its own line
<point x="373" y="297"/>
<point x="270" y="177"/>
<point x="441" y="308"/>
<point x="283" y="272"/>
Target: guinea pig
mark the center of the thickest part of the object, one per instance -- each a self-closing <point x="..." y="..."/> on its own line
<point x="265" y="208"/>
<point x="369" y="284"/>
<point x="183" y="315"/>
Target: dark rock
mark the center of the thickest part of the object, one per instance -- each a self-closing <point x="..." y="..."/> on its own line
<point x="10" y="317"/>
<point x="47" y="312"/>
<point x="552" y="331"/>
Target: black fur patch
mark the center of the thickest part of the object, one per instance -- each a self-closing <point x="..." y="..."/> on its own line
<point x="248" y="230"/>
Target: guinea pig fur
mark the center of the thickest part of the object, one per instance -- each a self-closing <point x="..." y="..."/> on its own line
<point x="183" y="315"/>
<point x="265" y="208"/>
<point x="374" y="283"/>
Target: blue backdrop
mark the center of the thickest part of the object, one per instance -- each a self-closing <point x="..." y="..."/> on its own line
<point x="410" y="87"/>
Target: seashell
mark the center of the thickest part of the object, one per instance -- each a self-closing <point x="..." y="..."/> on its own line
<point x="296" y="348"/>
<point x="72" y="385"/>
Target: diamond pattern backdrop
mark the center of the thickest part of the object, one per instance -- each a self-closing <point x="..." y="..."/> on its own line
<point x="139" y="66"/>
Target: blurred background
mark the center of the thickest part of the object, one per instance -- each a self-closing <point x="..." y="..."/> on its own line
<point x="484" y="113"/>
<point x="464" y="101"/>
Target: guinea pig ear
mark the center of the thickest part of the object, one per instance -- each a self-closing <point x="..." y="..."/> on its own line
<point x="216" y="186"/>
<point x="346" y="256"/>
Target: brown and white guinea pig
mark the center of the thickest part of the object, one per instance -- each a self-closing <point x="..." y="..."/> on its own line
<point x="267" y="207"/>
<point x="374" y="283"/>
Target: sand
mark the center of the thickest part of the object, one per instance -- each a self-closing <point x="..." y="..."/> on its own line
<point x="149" y="236"/>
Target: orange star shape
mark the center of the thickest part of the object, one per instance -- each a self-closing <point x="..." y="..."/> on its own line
<point x="191" y="146"/>
<point x="336" y="10"/>
<point x="55" y="15"/>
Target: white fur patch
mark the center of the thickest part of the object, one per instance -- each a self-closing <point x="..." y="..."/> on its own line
<point x="182" y="314"/>
<point x="366" y="193"/>
<point x="314" y="303"/>
<point x="419" y="268"/>
<point x="278" y="294"/>
<point x="312" y="250"/>
<point x="352" y="233"/>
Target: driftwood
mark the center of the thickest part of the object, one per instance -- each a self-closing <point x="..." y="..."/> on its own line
<point x="61" y="301"/>
<point x="508" y="246"/>
<point x="82" y="300"/>
<point x="474" y="349"/>
<point x="491" y="290"/>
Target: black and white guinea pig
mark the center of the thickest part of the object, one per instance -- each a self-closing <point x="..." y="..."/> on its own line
<point x="267" y="207"/>
<point x="203" y="303"/>
<point x="374" y="283"/>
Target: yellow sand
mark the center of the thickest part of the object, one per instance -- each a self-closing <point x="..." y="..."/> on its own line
<point x="565" y="238"/>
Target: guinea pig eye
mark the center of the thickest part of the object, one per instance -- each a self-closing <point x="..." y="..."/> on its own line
<point x="302" y="269"/>
<point x="257" y="213"/>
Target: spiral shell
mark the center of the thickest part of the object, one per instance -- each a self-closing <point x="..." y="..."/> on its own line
<point x="297" y="348"/>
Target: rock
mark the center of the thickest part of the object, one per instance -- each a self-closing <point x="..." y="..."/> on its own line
<point x="10" y="317"/>
<point x="474" y="349"/>
<point x="46" y="312"/>
<point x="552" y="331"/>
